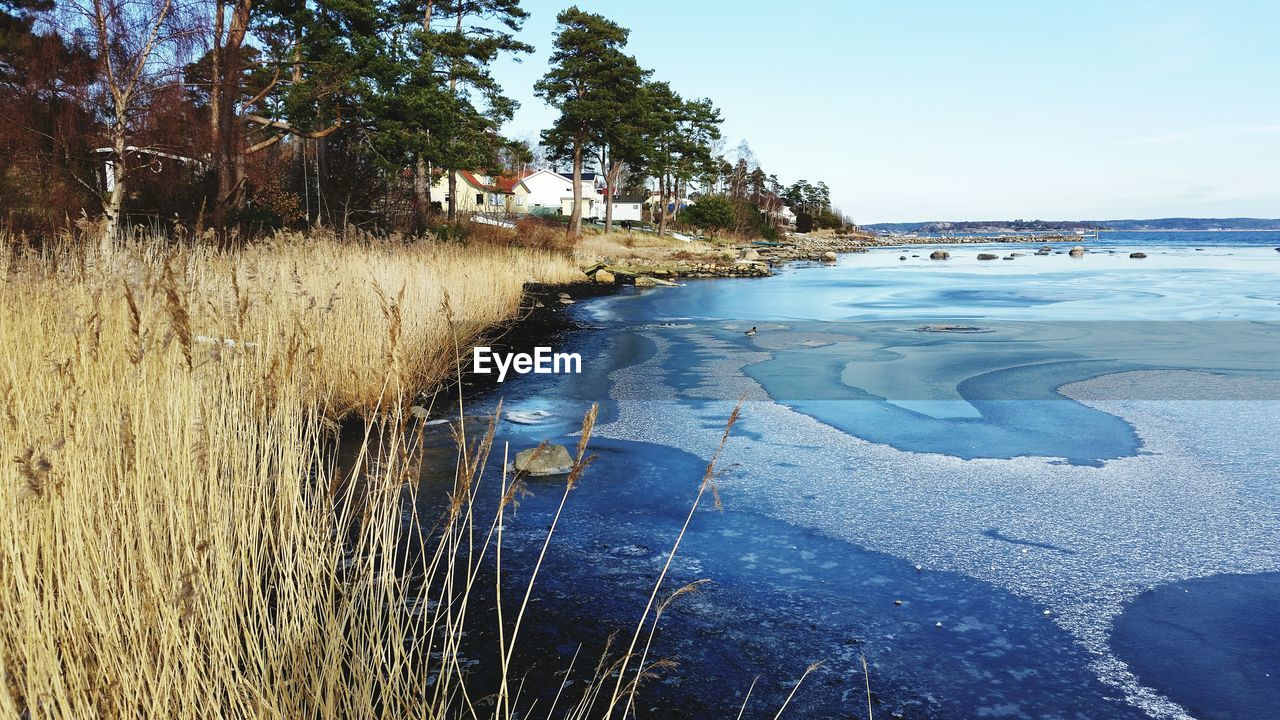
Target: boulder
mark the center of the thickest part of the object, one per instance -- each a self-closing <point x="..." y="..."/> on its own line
<point x="604" y="277"/>
<point x="988" y="256"/>
<point x="564" y="296"/>
<point x="1007" y="257"/>
<point x="1016" y="254"/>
<point x="939" y="255"/>
<point x="828" y="256"/>
<point x="1046" y="249"/>
<point x="544" y="460"/>
<point x="1077" y="251"/>
<point x="902" y="257"/>
<point x="751" y="254"/>
<point x="646" y="281"/>
<point x="1137" y="255"/>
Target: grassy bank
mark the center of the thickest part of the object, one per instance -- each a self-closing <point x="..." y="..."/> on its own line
<point x="177" y="543"/>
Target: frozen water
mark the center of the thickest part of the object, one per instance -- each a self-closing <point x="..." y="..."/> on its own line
<point x="1067" y="460"/>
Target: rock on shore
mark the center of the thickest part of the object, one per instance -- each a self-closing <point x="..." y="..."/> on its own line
<point x="544" y="460"/>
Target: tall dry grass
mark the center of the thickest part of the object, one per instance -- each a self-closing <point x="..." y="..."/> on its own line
<point x="638" y="245"/>
<point x="180" y="541"/>
<point x="176" y="541"/>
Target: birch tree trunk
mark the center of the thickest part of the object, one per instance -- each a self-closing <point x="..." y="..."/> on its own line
<point x="115" y="198"/>
<point x="124" y="76"/>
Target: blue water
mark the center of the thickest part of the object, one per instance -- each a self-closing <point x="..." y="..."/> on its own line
<point x="1047" y="438"/>
<point x="1210" y="642"/>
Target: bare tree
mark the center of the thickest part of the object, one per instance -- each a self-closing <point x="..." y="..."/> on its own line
<point x="138" y="45"/>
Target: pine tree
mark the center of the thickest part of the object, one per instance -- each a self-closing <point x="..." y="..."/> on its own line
<point x="596" y="88"/>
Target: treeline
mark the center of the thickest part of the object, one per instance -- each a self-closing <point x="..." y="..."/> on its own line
<point x="748" y="201"/>
<point x="1192" y="224"/>
<point x="243" y="116"/>
<point x="942" y="226"/>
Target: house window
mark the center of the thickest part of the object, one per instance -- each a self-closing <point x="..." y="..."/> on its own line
<point x="519" y="201"/>
<point x="495" y="199"/>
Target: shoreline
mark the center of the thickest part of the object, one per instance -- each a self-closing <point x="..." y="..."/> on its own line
<point x="755" y="259"/>
<point x="526" y="329"/>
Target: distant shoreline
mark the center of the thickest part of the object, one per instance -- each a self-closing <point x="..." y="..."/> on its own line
<point x="1180" y="230"/>
<point x="1168" y="224"/>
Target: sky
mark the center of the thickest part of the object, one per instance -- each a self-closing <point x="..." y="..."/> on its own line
<point x="912" y="110"/>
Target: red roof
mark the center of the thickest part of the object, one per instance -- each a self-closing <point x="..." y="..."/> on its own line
<point x="508" y="183"/>
<point x="503" y="184"/>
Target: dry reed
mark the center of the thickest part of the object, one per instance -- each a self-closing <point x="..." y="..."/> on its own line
<point x="181" y="542"/>
<point x="178" y="543"/>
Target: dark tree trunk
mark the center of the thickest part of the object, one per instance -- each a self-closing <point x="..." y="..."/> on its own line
<point x="453" y="195"/>
<point x="422" y="192"/>
<point x="224" y="91"/>
<point x="662" y="205"/>
<point x="575" y="218"/>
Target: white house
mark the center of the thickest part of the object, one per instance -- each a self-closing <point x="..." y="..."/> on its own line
<point x="543" y="191"/>
<point x="547" y="192"/>
<point x="625" y="207"/>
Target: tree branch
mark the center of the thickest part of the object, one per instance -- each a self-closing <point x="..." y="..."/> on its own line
<point x="253" y="101"/>
<point x="290" y="129"/>
<point x="264" y="144"/>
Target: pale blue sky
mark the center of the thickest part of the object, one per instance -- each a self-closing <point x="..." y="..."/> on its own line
<point x="974" y="110"/>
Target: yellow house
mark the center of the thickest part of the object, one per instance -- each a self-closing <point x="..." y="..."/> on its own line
<point x="481" y="193"/>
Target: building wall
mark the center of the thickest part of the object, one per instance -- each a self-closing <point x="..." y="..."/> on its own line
<point x="546" y="190"/>
<point x="566" y="206"/>
<point x="621" y="211"/>
<point x="465" y="201"/>
<point x="627" y="211"/>
<point x="470" y="198"/>
<point x="518" y="203"/>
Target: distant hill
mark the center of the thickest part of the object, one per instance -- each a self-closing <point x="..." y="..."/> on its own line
<point x="938" y="226"/>
<point x="1193" y="224"/>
